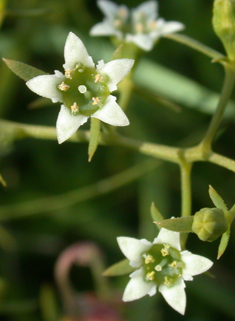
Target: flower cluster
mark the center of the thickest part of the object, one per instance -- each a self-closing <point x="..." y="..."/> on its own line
<point x="84" y="89"/>
<point x="140" y="26"/>
<point x="161" y="265"/>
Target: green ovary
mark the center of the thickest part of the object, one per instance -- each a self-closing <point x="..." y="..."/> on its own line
<point x="162" y="264"/>
<point x="84" y="91"/>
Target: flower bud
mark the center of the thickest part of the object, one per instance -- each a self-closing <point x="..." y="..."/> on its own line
<point x="209" y="224"/>
<point x="224" y="24"/>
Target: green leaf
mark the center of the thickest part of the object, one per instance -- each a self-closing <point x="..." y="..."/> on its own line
<point x="156" y="215"/>
<point x="22" y="70"/>
<point x="2" y="181"/>
<point x="119" y="268"/>
<point x="94" y="137"/>
<point x="181" y="224"/>
<point x="217" y="199"/>
<point x="223" y="243"/>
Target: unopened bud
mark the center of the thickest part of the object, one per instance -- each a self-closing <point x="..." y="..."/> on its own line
<point x="209" y="224"/>
<point x="224" y="24"/>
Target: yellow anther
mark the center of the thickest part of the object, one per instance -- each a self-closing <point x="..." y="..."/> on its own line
<point x="122" y="12"/>
<point x="174" y="264"/>
<point x="150" y="276"/>
<point x="96" y="100"/>
<point x="68" y="73"/>
<point x="153" y="25"/>
<point x="167" y="246"/>
<point x="164" y="252"/>
<point x="98" y="78"/>
<point x="74" y="108"/>
<point x="148" y="259"/>
<point x="167" y="281"/>
<point x="117" y="23"/>
<point x="139" y="28"/>
<point x="63" y="86"/>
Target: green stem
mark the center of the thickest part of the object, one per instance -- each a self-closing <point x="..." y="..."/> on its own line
<point x="194" y="44"/>
<point x="224" y="98"/>
<point x="125" y="90"/>
<point x="186" y="188"/>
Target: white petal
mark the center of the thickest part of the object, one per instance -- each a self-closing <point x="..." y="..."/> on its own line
<point x="149" y="8"/>
<point x="171" y="27"/>
<point x="111" y="113"/>
<point x="194" y="264"/>
<point x="116" y="70"/>
<point x="75" y="52"/>
<point x="104" y="28"/>
<point x="169" y="237"/>
<point x="68" y="124"/>
<point x="46" y="86"/>
<point x="137" y="288"/>
<point x="175" y="295"/>
<point x="133" y="248"/>
<point x="108" y="8"/>
<point x="143" y="41"/>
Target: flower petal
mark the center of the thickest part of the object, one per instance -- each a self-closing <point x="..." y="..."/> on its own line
<point x="104" y="28"/>
<point x="46" y="86"/>
<point x="137" y="288"/>
<point x="149" y="8"/>
<point x="111" y="113"/>
<point x="175" y="295"/>
<point x="116" y="70"/>
<point x="133" y="248"/>
<point x="194" y="264"/>
<point x="68" y="124"/>
<point x="108" y="8"/>
<point x="171" y="27"/>
<point x="143" y="41"/>
<point x="169" y="237"/>
<point x="75" y="52"/>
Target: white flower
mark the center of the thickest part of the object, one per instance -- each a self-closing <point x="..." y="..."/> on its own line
<point x="140" y="25"/>
<point x="161" y="265"/>
<point x="84" y="89"/>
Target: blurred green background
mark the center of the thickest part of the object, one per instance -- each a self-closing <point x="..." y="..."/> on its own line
<point x="35" y="229"/>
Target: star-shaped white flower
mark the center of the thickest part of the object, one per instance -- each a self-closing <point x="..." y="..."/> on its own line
<point x="140" y="25"/>
<point x="84" y="89"/>
<point x="161" y="265"/>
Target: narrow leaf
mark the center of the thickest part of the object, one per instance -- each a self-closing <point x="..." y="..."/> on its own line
<point x="94" y="137"/>
<point x="156" y="215"/>
<point x="2" y="181"/>
<point x="181" y="224"/>
<point x="217" y="199"/>
<point x="223" y="243"/>
<point x="119" y="268"/>
<point x="24" y="71"/>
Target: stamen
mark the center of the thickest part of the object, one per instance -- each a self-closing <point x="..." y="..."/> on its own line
<point x="148" y="259"/>
<point x="68" y="73"/>
<point x="82" y="89"/>
<point x="164" y="252"/>
<point x="122" y="13"/>
<point x="139" y="28"/>
<point x="150" y="276"/>
<point x="174" y="264"/>
<point x="74" y="108"/>
<point x="117" y="23"/>
<point x="98" y="78"/>
<point x="96" y="100"/>
<point x="63" y="86"/>
<point x="167" y="281"/>
<point x="153" y="25"/>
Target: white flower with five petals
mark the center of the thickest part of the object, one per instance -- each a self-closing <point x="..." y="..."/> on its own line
<point x="161" y="265"/>
<point x="140" y="25"/>
<point x="84" y="89"/>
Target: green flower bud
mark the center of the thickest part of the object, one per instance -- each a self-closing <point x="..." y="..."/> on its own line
<point x="224" y="24"/>
<point x="209" y="224"/>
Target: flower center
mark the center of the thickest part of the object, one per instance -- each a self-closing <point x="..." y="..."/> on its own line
<point x="84" y="90"/>
<point x="162" y="264"/>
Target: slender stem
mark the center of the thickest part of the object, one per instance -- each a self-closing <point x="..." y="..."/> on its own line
<point x="186" y="195"/>
<point x="224" y="98"/>
<point x="192" y="43"/>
